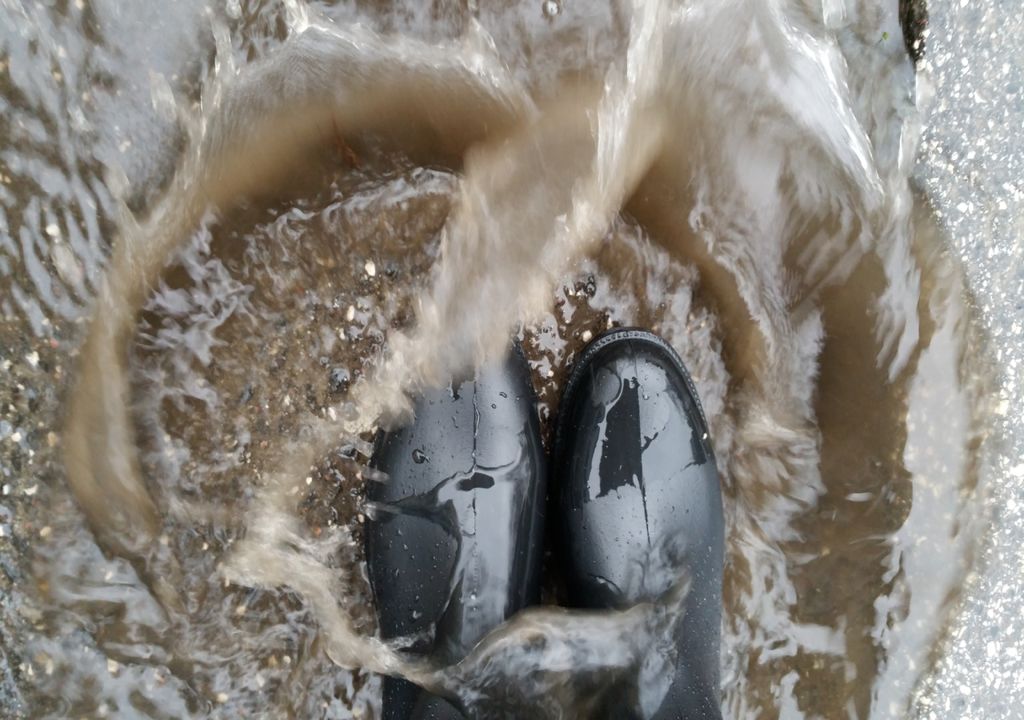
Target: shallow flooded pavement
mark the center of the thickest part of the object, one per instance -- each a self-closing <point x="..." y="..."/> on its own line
<point x="234" y="237"/>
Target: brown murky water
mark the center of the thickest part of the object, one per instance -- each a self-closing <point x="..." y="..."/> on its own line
<point x="352" y="212"/>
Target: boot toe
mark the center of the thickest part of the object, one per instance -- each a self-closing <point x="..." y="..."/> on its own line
<point x="639" y="499"/>
<point x="453" y="541"/>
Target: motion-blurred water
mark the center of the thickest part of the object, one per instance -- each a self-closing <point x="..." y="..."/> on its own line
<point x="234" y="236"/>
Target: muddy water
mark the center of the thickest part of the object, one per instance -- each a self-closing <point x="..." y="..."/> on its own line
<point x="222" y="273"/>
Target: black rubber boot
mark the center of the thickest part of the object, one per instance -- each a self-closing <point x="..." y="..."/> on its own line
<point x="639" y="503"/>
<point x="455" y="537"/>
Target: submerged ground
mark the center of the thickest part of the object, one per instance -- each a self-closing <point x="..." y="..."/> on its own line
<point x="862" y="396"/>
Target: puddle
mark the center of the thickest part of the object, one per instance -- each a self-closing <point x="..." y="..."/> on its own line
<point x="334" y="215"/>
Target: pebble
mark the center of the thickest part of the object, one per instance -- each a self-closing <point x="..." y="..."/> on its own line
<point x="66" y="264"/>
<point x="371" y="268"/>
<point x="339" y="380"/>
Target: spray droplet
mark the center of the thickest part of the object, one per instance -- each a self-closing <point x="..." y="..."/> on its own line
<point x="551" y="8"/>
<point x="419" y="457"/>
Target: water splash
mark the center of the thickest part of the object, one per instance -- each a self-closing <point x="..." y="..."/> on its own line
<point x="743" y="138"/>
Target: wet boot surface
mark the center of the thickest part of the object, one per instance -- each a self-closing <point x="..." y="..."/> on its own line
<point x="639" y="505"/>
<point x="455" y="535"/>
